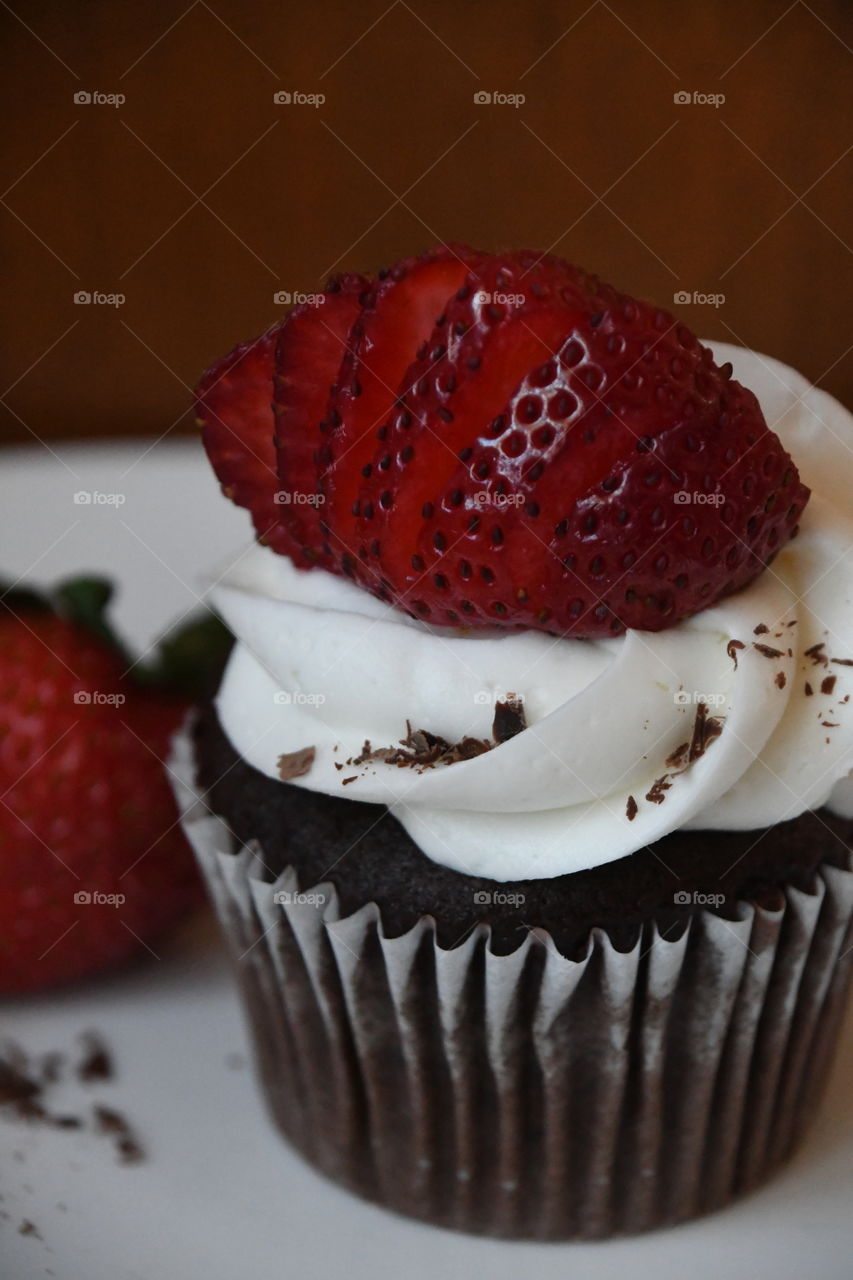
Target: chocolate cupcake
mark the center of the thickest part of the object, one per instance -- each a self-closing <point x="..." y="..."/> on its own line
<point x="524" y="800"/>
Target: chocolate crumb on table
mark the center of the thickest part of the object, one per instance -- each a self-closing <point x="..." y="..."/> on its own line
<point x="97" y="1064"/>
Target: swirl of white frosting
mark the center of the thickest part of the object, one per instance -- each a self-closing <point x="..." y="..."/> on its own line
<point x="319" y="662"/>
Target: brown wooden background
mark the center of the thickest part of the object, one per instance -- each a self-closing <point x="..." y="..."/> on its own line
<point x="199" y="197"/>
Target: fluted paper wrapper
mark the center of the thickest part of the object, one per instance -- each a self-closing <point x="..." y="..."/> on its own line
<point x="528" y="1095"/>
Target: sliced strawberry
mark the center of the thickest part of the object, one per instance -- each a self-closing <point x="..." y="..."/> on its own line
<point x="510" y="316"/>
<point x="234" y="411"/>
<point x="398" y="316"/>
<point x="509" y="442"/>
<point x="554" y="506"/>
<point x="311" y="344"/>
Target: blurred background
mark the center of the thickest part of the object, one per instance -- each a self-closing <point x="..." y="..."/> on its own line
<point x="184" y="164"/>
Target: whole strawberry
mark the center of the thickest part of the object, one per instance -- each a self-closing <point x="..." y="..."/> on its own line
<point x="93" y="864"/>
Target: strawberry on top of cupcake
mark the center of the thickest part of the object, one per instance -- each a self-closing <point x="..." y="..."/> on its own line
<point x="502" y="440"/>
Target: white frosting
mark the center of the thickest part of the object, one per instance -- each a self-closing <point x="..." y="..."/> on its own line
<point x="321" y="663"/>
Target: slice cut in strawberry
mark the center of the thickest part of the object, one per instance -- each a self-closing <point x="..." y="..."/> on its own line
<point x="544" y="488"/>
<point x="398" y="317"/>
<point x="234" y="411"/>
<point x="510" y="316"/>
<point x="312" y="342"/>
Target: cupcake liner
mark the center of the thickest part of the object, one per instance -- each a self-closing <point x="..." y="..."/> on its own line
<point x="528" y="1095"/>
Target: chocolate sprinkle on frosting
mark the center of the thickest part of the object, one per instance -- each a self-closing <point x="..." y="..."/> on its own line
<point x="768" y="651"/>
<point x="659" y="787"/>
<point x="732" y="650"/>
<point x="509" y="719"/>
<point x="423" y="750"/>
<point x="705" y="729"/>
<point x="296" y="764"/>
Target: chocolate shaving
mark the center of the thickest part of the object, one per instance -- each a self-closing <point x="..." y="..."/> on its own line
<point x="97" y="1064"/>
<point x="352" y="778"/>
<point x="809" y="690"/>
<point x="423" y="750"/>
<point x="28" y="1228"/>
<point x="658" y="789"/>
<point x="842" y="662"/>
<point x="509" y="719"/>
<point x="760" y="630"/>
<point x="631" y="809"/>
<point x="827" y="684"/>
<point x="296" y="764"/>
<point x="829" y="724"/>
<point x="767" y="650"/>
<point x="781" y="680"/>
<point x="732" y="650"/>
<point x="815" y="652"/>
<point x="679" y="757"/>
<point x="114" y="1124"/>
<point x="705" y="729"/>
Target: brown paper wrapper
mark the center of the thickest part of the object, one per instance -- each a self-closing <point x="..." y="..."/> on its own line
<point x="528" y="1095"/>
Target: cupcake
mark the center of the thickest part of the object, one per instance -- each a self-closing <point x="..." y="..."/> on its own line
<point x="524" y="799"/>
